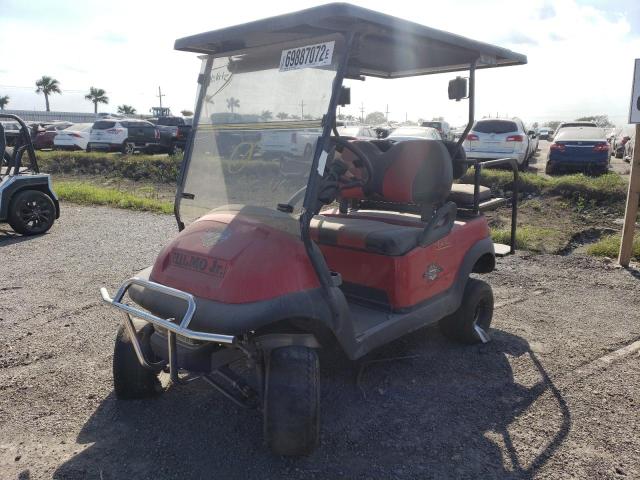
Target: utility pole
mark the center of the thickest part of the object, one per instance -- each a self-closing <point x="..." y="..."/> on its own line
<point x="302" y="110"/>
<point x="160" y="95"/>
<point x="362" y="113"/>
<point x="387" y="113"/>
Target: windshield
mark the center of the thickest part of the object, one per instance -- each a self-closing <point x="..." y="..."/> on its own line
<point x="259" y="121"/>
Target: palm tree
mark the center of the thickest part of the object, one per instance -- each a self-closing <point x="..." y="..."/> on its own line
<point x="3" y="101"/>
<point x="282" y="115"/>
<point x="232" y="103"/>
<point x="266" y="115"/>
<point x="186" y="113"/>
<point x="47" y="86"/>
<point x="96" y="95"/>
<point x="126" y="110"/>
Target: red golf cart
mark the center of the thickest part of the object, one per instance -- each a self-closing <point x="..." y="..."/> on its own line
<point x="362" y="242"/>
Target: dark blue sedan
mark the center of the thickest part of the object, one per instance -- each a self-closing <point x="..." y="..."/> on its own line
<point x="579" y="148"/>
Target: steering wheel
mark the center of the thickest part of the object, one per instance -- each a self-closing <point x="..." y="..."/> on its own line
<point x="364" y="160"/>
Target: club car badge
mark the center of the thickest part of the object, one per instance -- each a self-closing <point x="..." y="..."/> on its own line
<point x="432" y="272"/>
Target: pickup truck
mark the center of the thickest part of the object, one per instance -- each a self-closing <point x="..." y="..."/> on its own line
<point x="177" y="129"/>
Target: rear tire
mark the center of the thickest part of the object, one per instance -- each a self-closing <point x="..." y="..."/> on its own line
<point x="476" y="310"/>
<point x="128" y="148"/>
<point x="31" y="212"/>
<point x="292" y="401"/>
<point x="130" y="379"/>
<point x="88" y="147"/>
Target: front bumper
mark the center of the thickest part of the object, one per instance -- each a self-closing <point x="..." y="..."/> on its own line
<point x="179" y="328"/>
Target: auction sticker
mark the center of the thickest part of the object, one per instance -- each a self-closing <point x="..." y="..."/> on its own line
<point x="317" y="55"/>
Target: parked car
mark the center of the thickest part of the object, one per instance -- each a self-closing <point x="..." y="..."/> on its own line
<point x="126" y="136"/>
<point x="579" y="148"/>
<point x="11" y="132"/>
<point x="629" y="146"/>
<point x="533" y="142"/>
<point x="545" y="133"/>
<point x="493" y="138"/>
<point x="75" y="137"/>
<point x="414" y="133"/>
<point x="44" y="139"/>
<point x="178" y="129"/>
<point x="443" y="128"/>
<point x="362" y="132"/>
<point x="620" y="140"/>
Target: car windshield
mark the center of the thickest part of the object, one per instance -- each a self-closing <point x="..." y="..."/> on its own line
<point x="259" y="121"/>
<point x="349" y="131"/>
<point x="423" y="132"/>
<point x="580" y="133"/>
<point x="495" y="126"/>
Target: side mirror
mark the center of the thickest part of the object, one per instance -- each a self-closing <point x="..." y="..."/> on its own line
<point x="458" y="89"/>
<point x="345" y="96"/>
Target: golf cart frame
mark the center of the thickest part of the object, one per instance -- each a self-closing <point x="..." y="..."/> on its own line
<point x="16" y="177"/>
<point x="372" y="43"/>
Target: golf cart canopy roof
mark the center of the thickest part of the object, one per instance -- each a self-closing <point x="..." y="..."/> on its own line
<point x="387" y="46"/>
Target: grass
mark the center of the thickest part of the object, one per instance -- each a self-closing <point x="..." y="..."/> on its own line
<point x="86" y="194"/>
<point x="609" y="246"/>
<point x="606" y="188"/>
<point x="532" y="238"/>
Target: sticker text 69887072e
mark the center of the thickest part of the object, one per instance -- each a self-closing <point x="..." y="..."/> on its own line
<point x="317" y="55"/>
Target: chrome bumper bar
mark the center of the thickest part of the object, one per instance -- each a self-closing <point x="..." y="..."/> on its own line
<point x="181" y="328"/>
<point x="173" y="328"/>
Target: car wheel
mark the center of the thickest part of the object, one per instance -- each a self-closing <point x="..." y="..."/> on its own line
<point x="292" y="401"/>
<point x="128" y="148"/>
<point x="88" y="147"/>
<point x="130" y="379"/>
<point x="31" y="212"/>
<point x="470" y="323"/>
<point x="549" y="169"/>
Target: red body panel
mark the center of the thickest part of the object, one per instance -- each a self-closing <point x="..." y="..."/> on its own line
<point x="236" y="257"/>
<point x="405" y="279"/>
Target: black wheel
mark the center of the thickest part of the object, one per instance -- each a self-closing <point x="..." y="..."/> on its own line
<point x="128" y="148"/>
<point x="88" y="147"/>
<point x="470" y="323"/>
<point x="130" y="379"/>
<point x="549" y="170"/>
<point x="292" y="401"/>
<point x="31" y="212"/>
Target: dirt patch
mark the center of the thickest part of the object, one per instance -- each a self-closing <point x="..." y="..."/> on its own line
<point x="580" y="240"/>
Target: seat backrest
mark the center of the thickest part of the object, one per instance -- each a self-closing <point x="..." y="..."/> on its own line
<point x="410" y="172"/>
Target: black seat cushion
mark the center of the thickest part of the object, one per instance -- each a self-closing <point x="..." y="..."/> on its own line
<point x="462" y="193"/>
<point x="367" y="235"/>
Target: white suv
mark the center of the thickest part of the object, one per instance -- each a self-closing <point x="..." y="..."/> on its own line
<point x="126" y="136"/>
<point x="492" y="138"/>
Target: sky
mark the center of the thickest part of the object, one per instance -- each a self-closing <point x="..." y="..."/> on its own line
<point x="580" y="54"/>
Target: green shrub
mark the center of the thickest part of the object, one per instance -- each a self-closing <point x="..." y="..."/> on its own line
<point x="155" y="168"/>
<point x="577" y="187"/>
<point x="609" y="246"/>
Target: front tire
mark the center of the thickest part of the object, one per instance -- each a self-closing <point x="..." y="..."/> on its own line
<point x="292" y="401"/>
<point x="31" y="212"/>
<point x="470" y="323"/>
<point x="130" y="379"/>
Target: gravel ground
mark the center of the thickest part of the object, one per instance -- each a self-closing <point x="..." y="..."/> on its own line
<point x="527" y="405"/>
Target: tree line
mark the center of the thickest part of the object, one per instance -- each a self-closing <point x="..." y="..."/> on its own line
<point x="48" y="86"/>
